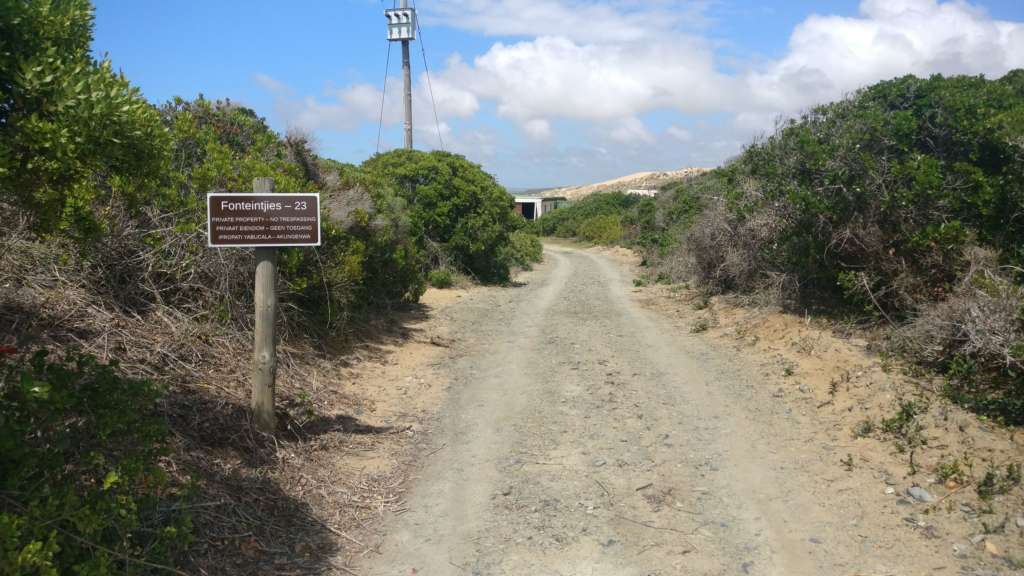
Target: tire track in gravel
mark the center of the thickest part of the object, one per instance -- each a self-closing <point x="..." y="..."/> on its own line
<point x="583" y="434"/>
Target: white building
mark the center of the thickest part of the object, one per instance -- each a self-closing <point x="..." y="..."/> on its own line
<point x="533" y="207"/>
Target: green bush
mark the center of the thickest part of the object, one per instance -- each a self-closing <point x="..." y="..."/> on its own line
<point x="892" y="183"/>
<point x="80" y="485"/>
<point x="74" y="135"/>
<point x="566" y="222"/>
<point x="454" y="204"/>
<point x="369" y="261"/>
<point x="525" y="249"/>
<point x="642" y="220"/>
<point x="872" y="207"/>
<point x="219" y="145"/>
<point x="441" y="278"/>
<point x="606" y="229"/>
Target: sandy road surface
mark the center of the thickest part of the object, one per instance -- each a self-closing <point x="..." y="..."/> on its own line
<point x="583" y="434"/>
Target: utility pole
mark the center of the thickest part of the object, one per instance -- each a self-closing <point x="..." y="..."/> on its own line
<point x="402" y="27"/>
<point x="407" y="78"/>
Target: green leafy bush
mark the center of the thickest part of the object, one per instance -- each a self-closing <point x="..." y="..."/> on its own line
<point x="872" y="206"/>
<point x="996" y="482"/>
<point x="642" y="220"/>
<point x="893" y="184"/>
<point x="219" y="145"/>
<point x="525" y="249"/>
<point x="74" y="135"/>
<point x="369" y="260"/>
<point x="441" y="278"/>
<point x="454" y="204"/>
<point x="81" y="490"/>
<point x="566" y="222"/>
<point x="605" y="229"/>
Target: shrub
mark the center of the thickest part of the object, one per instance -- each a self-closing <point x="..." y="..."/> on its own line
<point x="975" y="337"/>
<point x="953" y="469"/>
<point x="525" y="249"/>
<point x="566" y="222"/>
<point x="453" y="203"/>
<point x="605" y="229"/>
<point x="997" y="482"/>
<point x="727" y="253"/>
<point x="905" y="426"/>
<point x="368" y="259"/>
<point x="82" y="491"/>
<point x="648" y="223"/>
<point x="219" y="145"/>
<point x="874" y="207"/>
<point x="441" y="278"/>
<point x="74" y="135"/>
<point x="870" y="202"/>
<point x="864" y="428"/>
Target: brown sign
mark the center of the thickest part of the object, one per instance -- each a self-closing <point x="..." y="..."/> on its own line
<point x="260" y="220"/>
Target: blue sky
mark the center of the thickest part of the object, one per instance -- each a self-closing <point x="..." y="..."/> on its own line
<point x="550" y="92"/>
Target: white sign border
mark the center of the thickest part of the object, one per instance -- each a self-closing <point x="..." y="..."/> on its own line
<point x="319" y="223"/>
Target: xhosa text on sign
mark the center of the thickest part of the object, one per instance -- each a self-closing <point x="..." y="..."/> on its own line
<point x="262" y="220"/>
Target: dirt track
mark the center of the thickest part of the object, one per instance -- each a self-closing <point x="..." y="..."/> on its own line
<point x="586" y="434"/>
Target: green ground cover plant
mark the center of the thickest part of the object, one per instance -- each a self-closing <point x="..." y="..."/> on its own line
<point x="82" y="488"/>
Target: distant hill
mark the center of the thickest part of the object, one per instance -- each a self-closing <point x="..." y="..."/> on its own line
<point x="638" y="181"/>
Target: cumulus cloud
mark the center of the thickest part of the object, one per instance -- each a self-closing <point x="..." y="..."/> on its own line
<point x="308" y="113"/>
<point x="553" y="76"/>
<point x="344" y="109"/>
<point x="631" y="131"/>
<point x="830" y="56"/>
<point x="568" y="72"/>
<point x="606" y="64"/>
<point x="679" y="133"/>
<point x="538" y="129"/>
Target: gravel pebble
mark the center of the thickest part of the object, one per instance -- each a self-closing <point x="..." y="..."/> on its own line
<point x="920" y="494"/>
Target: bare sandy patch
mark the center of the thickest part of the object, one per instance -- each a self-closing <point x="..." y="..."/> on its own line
<point x="879" y="415"/>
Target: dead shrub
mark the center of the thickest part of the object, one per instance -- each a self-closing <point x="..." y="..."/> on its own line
<point x="344" y="205"/>
<point x="148" y="293"/>
<point x="980" y="320"/>
<point x="727" y="252"/>
<point x="300" y="145"/>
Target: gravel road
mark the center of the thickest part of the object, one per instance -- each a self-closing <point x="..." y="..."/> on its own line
<point x="583" y="434"/>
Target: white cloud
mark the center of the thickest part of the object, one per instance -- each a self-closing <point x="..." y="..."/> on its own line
<point x="307" y="113"/>
<point x="538" y="129"/>
<point x="830" y="56"/>
<point x="679" y="133"/>
<point x="553" y="76"/>
<point x="567" y="72"/>
<point x="606" y="64"/>
<point x="431" y="135"/>
<point x="479" y="144"/>
<point x="631" y="131"/>
<point x="344" y="109"/>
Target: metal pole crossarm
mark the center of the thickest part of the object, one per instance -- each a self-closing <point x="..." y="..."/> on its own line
<point x="401" y="23"/>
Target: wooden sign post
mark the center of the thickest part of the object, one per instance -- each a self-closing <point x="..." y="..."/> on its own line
<point x="264" y="370"/>
<point x="264" y="221"/>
